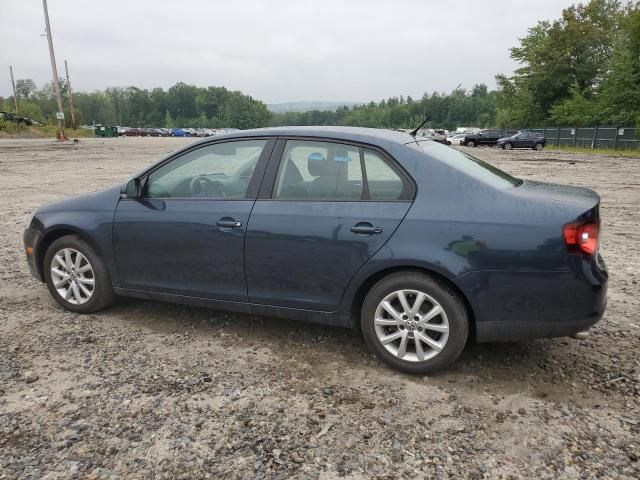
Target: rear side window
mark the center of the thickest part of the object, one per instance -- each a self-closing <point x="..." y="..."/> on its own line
<point x="319" y="171"/>
<point x="314" y="170"/>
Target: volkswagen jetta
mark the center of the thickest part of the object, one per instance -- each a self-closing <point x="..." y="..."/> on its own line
<point x="420" y="245"/>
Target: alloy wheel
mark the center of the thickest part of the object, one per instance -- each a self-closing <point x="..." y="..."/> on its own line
<point x="72" y="276"/>
<point x="411" y="325"/>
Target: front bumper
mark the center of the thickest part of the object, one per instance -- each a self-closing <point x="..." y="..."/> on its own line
<point x="31" y="239"/>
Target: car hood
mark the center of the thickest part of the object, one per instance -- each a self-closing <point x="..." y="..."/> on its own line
<point x="100" y="200"/>
<point x="559" y="193"/>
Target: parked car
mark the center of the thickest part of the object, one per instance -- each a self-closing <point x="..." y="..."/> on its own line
<point x="151" y="132"/>
<point x="429" y="134"/>
<point x="12" y="117"/>
<point x="456" y="138"/>
<point x="421" y="246"/>
<point x="534" y="140"/>
<point x="483" y="137"/>
<point x="179" y="132"/>
<point x="135" y="132"/>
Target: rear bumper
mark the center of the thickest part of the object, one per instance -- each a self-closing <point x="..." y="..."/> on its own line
<point x="511" y="331"/>
<point x="512" y="306"/>
<point x="31" y="239"/>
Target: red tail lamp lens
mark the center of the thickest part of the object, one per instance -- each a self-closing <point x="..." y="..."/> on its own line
<point x="581" y="237"/>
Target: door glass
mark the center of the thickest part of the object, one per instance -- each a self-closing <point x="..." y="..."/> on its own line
<point x="384" y="183"/>
<point x="222" y="170"/>
<point x="311" y="170"/>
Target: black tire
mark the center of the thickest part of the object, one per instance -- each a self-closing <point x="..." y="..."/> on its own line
<point x="538" y="146"/>
<point x="103" y="294"/>
<point x="448" y="299"/>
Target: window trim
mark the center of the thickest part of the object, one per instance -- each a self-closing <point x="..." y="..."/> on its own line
<point x="267" y="189"/>
<point x="254" y="183"/>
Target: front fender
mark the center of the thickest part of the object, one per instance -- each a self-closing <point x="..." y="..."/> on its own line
<point x="90" y="216"/>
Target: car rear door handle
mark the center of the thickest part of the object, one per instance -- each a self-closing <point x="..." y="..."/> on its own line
<point x="365" y="229"/>
<point x="227" y="222"/>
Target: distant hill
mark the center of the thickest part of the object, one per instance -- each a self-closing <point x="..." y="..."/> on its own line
<point x="307" y="106"/>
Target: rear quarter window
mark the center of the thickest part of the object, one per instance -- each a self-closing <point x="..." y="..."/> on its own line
<point x="470" y="165"/>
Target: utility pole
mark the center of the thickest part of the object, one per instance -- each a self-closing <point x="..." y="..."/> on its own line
<point x="13" y="84"/>
<point x="73" y="115"/>
<point x="56" y="84"/>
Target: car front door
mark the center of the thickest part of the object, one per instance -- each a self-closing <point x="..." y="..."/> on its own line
<point x="324" y="209"/>
<point x="185" y="234"/>
<point x="520" y="140"/>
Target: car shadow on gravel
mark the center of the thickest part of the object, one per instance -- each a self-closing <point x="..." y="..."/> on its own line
<point x="515" y="365"/>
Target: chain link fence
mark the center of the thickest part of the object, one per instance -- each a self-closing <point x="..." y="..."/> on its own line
<point x="624" y="138"/>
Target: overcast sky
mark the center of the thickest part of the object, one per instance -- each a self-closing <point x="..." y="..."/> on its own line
<point x="276" y="51"/>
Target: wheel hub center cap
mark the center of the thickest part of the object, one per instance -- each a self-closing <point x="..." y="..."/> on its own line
<point x="411" y="325"/>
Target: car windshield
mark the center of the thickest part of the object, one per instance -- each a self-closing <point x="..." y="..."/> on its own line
<point x="470" y="165"/>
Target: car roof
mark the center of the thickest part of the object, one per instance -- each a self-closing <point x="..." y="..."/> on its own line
<point x="372" y="136"/>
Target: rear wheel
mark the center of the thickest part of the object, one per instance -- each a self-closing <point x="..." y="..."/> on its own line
<point x="414" y="323"/>
<point x="538" y="146"/>
<point x="76" y="276"/>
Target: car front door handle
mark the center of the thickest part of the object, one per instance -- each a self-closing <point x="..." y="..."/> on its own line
<point x="365" y="229"/>
<point x="228" y="223"/>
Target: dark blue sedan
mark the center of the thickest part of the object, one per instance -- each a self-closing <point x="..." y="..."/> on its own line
<point x="420" y="245"/>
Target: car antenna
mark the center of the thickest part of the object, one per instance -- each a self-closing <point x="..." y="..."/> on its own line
<point x="413" y="133"/>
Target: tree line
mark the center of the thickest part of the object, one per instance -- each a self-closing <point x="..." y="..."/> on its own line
<point x="581" y="69"/>
<point x="181" y="105"/>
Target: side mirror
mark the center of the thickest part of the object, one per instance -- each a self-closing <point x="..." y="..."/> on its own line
<point x="132" y="189"/>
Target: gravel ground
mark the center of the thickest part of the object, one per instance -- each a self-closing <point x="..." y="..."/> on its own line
<point x="152" y="390"/>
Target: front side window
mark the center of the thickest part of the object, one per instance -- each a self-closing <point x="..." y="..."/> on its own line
<point x="221" y="171"/>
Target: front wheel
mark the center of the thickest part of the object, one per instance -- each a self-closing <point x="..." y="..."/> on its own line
<point x="76" y="276"/>
<point x="414" y="323"/>
<point x="471" y="143"/>
<point x="507" y="146"/>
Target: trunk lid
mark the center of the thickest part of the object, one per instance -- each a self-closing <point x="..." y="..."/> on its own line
<point x="584" y="197"/>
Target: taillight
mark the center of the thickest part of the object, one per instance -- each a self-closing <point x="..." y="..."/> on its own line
<point x="581" y="237"/>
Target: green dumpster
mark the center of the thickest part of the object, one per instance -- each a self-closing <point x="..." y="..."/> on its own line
<point x="103" y="131"/>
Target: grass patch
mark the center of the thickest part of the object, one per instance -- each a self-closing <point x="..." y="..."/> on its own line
<point x="597" y="151"/>
<point x="15" y="130"/>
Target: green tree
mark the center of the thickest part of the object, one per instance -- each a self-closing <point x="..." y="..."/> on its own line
<point x="557" y="57"/>
<point x="619" y="91"/>
<point x="575" y="110"/>
<point x="168" y="119"/>
<point x="25" y="87"/>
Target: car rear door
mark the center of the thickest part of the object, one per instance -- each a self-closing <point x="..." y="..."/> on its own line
<point x="325" y="208"/>
<point x="185" y="234"/>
